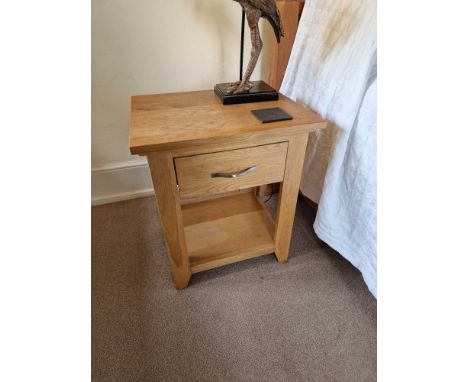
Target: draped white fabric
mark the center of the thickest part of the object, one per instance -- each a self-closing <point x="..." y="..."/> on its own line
<point x="333" y="71"/>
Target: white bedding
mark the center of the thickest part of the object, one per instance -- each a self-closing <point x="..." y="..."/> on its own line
<point x="333" y="71"/>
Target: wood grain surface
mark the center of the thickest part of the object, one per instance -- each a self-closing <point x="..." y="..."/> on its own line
<point x="189" y="136"/>
<point x="180" y="120"/>
<point x="164" y="181"/>
<point x="289" y="191"/>
<point x="226" y="230"/>
<point x="194" y="172"/>
<point x="279" y="54"/>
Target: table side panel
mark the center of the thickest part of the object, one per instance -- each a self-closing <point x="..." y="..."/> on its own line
<point x="289" y="191"/>
<point x="168" y="202"/>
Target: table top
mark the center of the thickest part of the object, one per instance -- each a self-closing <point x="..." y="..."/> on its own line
<point x="164" y="121"/>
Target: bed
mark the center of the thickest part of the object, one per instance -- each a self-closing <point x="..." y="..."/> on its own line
<point x="328" y="61"/>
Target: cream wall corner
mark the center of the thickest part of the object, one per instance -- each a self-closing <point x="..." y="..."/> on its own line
<point x="120" y="181"/>
<point x="147" y="47"/>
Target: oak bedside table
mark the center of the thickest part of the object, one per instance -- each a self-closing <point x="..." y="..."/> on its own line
<point x="206" y="162"/>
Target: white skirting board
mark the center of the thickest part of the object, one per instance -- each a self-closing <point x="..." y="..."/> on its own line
<point x="120" y="181"/>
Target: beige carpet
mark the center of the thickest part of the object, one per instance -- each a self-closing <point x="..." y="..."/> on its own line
<point x="311" y="319"/>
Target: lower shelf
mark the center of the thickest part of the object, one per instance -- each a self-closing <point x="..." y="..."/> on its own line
<point x="227" y="230"/>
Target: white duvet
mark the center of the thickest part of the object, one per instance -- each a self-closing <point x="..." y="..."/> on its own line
<point x="333" y="71"/>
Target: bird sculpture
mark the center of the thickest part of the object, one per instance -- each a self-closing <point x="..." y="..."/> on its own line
<point x="254" y="10"/>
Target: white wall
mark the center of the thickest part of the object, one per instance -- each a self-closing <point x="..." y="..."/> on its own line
<point x="146" y="47"/>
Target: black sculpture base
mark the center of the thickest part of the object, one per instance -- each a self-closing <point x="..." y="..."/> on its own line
<point x="260" y="91"/>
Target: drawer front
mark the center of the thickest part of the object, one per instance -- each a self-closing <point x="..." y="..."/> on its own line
<point x="225" y="171"/>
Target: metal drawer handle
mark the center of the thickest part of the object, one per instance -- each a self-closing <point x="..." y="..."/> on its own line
<point x="236" y="174"/>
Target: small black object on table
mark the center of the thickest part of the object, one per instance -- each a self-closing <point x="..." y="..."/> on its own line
<point x="274" y="114"/>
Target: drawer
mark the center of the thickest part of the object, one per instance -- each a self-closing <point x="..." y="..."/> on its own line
<point x="225" y="171"/>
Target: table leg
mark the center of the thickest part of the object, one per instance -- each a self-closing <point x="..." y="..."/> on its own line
<point x="170" y="212"/>
<point x="288" y="194"/>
